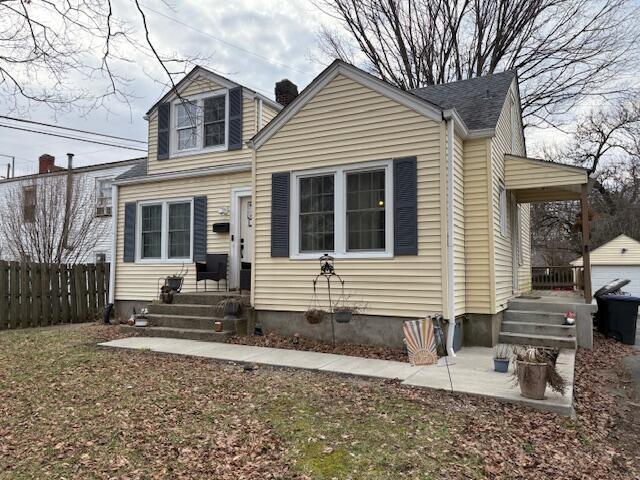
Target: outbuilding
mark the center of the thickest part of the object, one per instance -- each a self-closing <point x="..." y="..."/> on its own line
<point x="618" y="258"/>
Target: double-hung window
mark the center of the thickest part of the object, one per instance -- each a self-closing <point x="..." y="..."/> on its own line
<point x="200" y="123"/>
<point x="344" y="211"/>
<point x="187" y="125"/>
<point x="165" y="230"/>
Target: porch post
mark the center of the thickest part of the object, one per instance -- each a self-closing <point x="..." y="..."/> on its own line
<point x="586" y="243"/>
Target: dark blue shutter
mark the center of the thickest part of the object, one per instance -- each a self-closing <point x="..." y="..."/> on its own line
<point x="235" y="118"/>
<point x="130" y="232"/>
<point x="280" y="214"/>
<point x="164" y="123"/>
<point x="405" y="206"/>
<point x="199" y="228"/>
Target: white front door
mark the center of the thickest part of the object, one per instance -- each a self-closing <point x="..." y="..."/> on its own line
<point x="246" y="229"/>
<point x="241" y="233"/>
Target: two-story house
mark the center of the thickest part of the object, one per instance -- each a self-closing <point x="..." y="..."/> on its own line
<point x="36" y="204"/>
<point x="421" y="198"/>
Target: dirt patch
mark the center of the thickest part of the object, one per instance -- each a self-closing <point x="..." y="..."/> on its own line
<point x="309" y="345"/>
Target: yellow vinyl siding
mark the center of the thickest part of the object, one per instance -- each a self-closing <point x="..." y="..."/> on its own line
<point x="459" y="251"/>
<point x="347" y="123"/>
<point x="207" y="159"/>
<point x="477" y="222"/>
<point x="267" y="114"/>
<point x="611" y="253"/>
<point x="502" y="144"/>
<point x="524" y="173"/>
<point x="138" y="281"/>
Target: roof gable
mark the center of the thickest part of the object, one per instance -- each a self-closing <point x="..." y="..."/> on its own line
<point x="198" y="72"/>
<point x="622" y="250"/>
<point x="479" y="101"/>
<point x="337" y="68"/>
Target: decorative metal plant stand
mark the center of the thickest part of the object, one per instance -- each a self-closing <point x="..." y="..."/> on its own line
<point x="328" y="271"/>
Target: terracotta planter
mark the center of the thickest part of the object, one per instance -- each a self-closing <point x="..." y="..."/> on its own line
<point x="532" y="378"/>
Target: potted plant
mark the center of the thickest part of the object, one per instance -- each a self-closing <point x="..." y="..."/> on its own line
<point x="501" y="359"/>
<point x="314" y="315"/>
<point x="231" y="308"/>
<point x="535" y="369"/>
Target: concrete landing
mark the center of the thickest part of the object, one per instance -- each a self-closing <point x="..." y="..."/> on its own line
<point x="472" y="373"/>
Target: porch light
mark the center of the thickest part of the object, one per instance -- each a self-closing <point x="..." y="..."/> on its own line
<point x="381" y="203"/>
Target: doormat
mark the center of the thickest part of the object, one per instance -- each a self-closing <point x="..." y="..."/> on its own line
<point x="529" y="297"/>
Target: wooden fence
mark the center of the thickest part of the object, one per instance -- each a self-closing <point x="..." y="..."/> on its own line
<point x="37" y="295"/>
<point x="564" y="278"/>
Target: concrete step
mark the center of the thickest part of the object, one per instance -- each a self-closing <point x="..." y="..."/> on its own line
<point x="550" y="318"/>
<point x="208" y="298"/>
<point x="198" y="323"/>
<point x="537" y="340"/>
<point x="557" y="306"/>
<point x="185" y="309"/>
<point x="539" y="329"/>
<point x="185" y="333"/>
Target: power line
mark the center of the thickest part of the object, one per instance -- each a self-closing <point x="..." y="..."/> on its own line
<point x="249" y="52"/>
<point x="72" y="138"/>
<point x="33" y="122"/>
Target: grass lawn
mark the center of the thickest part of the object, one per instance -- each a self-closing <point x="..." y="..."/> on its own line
<point x="69" y="409"/>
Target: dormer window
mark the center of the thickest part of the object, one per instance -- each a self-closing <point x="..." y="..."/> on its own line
<point x="200" y="123"/>
<point x="214" y="121"/>
<point x="187" y="125"/>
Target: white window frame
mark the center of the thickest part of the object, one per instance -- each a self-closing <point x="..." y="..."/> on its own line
<point x="340" y="211"/>
<point x="164" y="229"/>
<point x="107" y="201"/>
<point x="199" y="101"/>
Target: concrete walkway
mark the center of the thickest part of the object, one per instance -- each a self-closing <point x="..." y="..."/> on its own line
<point x="472" y="373"/>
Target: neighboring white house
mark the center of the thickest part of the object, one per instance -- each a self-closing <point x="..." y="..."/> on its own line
<point x="618" y="258"/>
<point x="95" y="179"/>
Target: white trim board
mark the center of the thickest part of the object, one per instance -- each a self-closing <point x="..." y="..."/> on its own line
<point x="234" y="233"/>
<point x="193" y="173"/>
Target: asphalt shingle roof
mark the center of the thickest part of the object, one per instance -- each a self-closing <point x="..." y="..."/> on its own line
<point x="478" y="101"/>
<point x="138" y="170"/>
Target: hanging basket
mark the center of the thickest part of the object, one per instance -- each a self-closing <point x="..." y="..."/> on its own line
<point x="343" y="316"/>
<point x="314" y="315"/>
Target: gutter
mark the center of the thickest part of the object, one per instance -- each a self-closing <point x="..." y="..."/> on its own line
<point x="114" y="236"/>
<point x="449" y="117"/>
<point x="192" y="173"/>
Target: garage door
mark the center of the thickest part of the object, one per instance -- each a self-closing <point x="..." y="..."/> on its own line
<point x="603" y="274"/>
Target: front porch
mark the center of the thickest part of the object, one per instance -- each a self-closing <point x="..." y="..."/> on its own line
<point x="472" y="372"/>
<point x="531" y="180"/>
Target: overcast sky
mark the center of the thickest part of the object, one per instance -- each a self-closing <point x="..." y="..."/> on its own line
<point x="257" y="42"/>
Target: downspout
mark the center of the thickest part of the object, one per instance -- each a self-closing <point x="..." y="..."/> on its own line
<point x="451" y="274"/>
<point x="114" y="237"/>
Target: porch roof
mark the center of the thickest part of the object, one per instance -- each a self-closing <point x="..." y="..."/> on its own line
<point x="533" y="180"/>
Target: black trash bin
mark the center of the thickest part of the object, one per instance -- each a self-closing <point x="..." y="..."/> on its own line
<point x="602" y="316"/>
<point x="621" y="317"/>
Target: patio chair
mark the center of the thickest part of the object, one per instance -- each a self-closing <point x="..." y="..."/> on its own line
<point x="214" y="268"/>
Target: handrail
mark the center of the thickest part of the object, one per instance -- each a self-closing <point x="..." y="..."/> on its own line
<point x="557" y="277"/>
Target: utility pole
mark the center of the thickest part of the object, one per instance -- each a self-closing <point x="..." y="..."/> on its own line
<point x="8" y="170"/>
<point x="67" y="206"/>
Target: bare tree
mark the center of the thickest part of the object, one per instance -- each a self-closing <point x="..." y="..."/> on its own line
<point x="50" y="48"/>
<point x="607" y="142"/>
<point x="44" y="223"/>
<point x="563" y="50"/>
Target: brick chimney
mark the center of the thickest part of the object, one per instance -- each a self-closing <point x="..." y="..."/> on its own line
<point x="47" y="163"/>
<point x="286" y="92"/>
